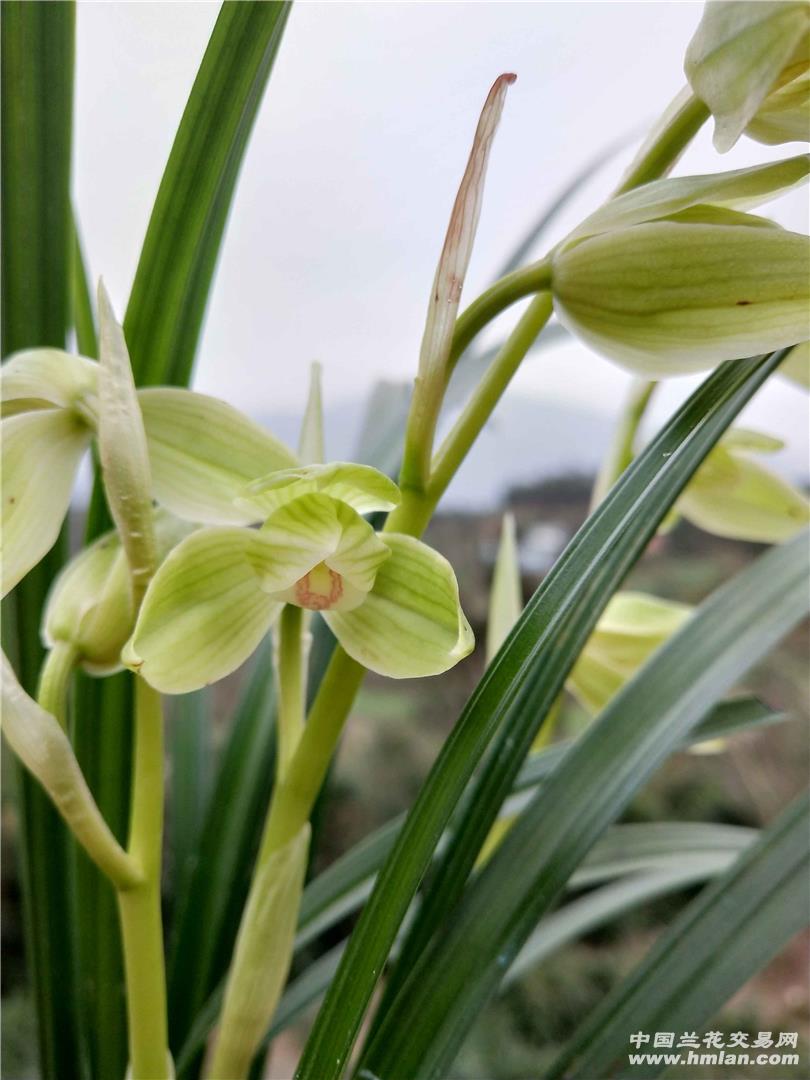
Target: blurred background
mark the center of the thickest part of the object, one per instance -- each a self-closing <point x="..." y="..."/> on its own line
<point x="329" y="255"/>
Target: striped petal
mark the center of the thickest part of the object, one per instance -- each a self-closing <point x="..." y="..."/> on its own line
<point x="41" y="452"/>
<point x="360" y="486"/>
<point x="204" y="612"/>
<point x="411" y="624"/>
<point x="38" y="378"/>
<point x="203" y="453"/>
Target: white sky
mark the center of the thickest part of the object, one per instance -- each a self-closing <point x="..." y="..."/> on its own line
<point x="355" y="158"/>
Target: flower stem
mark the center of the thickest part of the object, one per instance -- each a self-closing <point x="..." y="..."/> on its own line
<point x="679" y="124"/>
<point x="291" y="684"/>
<point x="139" y="907"/>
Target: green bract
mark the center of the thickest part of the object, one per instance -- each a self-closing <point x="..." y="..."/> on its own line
<point x="733" y="496"/>
<point x="672" y="278"/>
<point x="748" y="62"/>
<point x="391" y="601"/>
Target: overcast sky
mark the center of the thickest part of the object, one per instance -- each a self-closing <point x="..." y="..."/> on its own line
<point x="353" y="165"/>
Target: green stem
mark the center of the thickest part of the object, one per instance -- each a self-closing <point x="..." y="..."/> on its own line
<point x="54" y="680"/>
<point x="622" y="449"/>
<point x="291" y="685"/>
<point x="680" y="123"/>
<point x="427" y="397"/>
<point x="139" y="907"/>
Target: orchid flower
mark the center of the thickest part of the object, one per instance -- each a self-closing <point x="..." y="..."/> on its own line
<point x="390" y="600"/>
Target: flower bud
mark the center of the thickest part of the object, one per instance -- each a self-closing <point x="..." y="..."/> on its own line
<point x="90" y="604"/>
<point x="685" y="292"/>
<point x="748" y="62"/>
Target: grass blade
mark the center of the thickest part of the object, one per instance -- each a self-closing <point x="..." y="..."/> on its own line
<point x="728" y="933"/>
<point x="730" y="631"/>
<point x="37" y="47"/>
<point x="520" y="686"/>
<point x="170" y="290"/>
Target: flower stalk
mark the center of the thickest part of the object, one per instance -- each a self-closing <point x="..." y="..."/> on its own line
<point x="139" y="906"/>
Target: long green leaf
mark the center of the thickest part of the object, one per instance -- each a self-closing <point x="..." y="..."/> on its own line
<point x="345" y="886"/>
<point x="421" y="1033"/>
<point x="170" y="291"/>
<point x="37" y="50"/>
<point x="521" y="684"/>
<point x="728" y="933"/>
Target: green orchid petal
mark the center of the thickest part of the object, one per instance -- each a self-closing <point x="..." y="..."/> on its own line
<point x="204" y="611"/>
<point x="363" y="488"/>
<point x="41" y="453"/>
<point x="317" y="532"/>
<point x="122" y="450"/>
<point x="411" y="624"/>
<point x="737" y="58"/>
<point x="39" y="378"/>
<point x="676" y="296"/>
<point x="741" y="189"/>
<point x="796" y="365"/>
<point x="631" y="628"/>
<point x="732" y="496"/>
<point x="203" y="453"/>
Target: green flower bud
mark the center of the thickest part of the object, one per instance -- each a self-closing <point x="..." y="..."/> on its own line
<point x="685" y="292"/>
<point x="90" y="605"/>
<point x="750" y="63"/>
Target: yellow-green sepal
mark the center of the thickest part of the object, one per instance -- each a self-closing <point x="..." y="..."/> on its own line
<point x="631" y="628"/>
<point x="685" y="293"/>
<point x="204" y="611"/>
<point x="742" y="53"/>
<point x="361" y="487"/>
<point x="411" y="623"/>
<point x="740" y="189"/>
<point x="42" y="378"/>
<point x="203" y="453"/>
<point x="734" y="496"/>
<point x="41" y="453"/>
